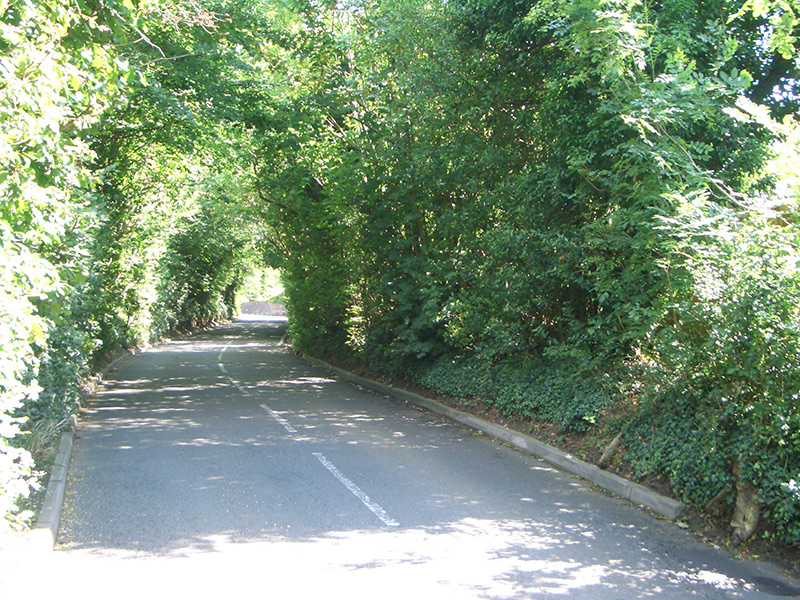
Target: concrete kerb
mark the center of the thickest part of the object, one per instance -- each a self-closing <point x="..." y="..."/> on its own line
<point x="619" y="486"/>
<point x="46" y="529"/>
<point x="47" y="523"/>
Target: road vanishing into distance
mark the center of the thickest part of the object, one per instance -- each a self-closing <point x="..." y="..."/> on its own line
<point x="220" y="464"/>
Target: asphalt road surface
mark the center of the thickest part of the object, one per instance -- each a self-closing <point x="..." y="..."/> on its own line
<point x="220" y="464"/>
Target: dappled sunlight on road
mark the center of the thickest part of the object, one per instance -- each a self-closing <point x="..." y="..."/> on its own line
<point x="470" y="558"/>
<point x="235" y="472"/>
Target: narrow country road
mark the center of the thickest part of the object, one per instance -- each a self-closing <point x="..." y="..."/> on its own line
<point x="221" y="464"/>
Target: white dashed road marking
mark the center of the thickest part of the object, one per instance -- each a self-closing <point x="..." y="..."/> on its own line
<point x="279" y="419"/>
<point x="343" y="479"/>
<point x="357" y="492"/>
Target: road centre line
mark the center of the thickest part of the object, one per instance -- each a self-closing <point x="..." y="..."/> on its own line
<point x="219" y="360"/>
<point x="373" y="506"/>
<point x="238" y="386"/>
<point x="286" y="425"/>
<point x="357" y="491"/>
<point x="222" y="368"/>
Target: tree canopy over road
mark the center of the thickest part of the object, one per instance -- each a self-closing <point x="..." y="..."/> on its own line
<point x="578" y="211"/>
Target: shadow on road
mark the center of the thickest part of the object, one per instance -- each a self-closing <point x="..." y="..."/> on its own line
<point x="186" y="466"/>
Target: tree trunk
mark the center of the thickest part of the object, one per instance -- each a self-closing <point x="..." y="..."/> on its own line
<point x="612" y="447"/>
<point x="747" y="512"/>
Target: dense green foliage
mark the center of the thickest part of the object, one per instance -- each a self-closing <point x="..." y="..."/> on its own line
<point x="108" y="168"/>
<point x="582" y="212"/>
<point x="60" y="75"/>
<point x="565" y="209"/>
